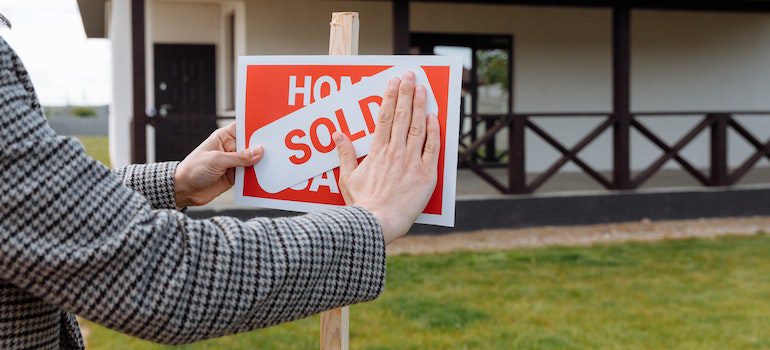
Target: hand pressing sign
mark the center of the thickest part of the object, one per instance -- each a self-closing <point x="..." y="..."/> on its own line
<point x="292" y="106"/>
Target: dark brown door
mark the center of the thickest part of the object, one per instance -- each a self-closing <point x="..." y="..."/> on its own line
<point x="185" y="100"/>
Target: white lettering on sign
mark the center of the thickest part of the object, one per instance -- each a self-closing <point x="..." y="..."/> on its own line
<point x="327" y="179"/>
<point x="299" y="146"/>
<point x="316" y="86"/>
<point x="294" y="90"/>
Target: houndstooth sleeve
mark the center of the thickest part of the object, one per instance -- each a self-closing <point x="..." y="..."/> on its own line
<point x="154" y="181"/>
<point x="73" y="235"/>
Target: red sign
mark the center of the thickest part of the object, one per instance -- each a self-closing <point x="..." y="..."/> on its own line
<point x="292" y="105"/>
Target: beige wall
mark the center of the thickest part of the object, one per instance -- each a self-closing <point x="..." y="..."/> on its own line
<point x="302" y="26"/>
<point x="701" y="61"/>
<point x="184" y="22"/>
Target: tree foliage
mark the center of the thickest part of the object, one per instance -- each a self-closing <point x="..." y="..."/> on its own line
<point x="493" y="67"/>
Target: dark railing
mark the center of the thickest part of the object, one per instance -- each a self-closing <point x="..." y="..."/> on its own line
<point x="515" y="125"/>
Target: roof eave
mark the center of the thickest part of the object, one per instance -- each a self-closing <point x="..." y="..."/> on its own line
<point x="93" y="15"/>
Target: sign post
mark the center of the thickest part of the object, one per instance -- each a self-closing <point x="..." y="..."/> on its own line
<point x="343" y="40"/>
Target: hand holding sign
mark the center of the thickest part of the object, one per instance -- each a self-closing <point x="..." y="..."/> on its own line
<point x="395" y="181"/>
<point x="209" y="170"/>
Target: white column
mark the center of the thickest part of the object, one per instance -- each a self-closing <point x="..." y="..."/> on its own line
<point x="121" y="108"/>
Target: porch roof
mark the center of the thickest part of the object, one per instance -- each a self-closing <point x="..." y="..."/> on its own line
<point x="93" y="12"/>
<point x="94" y="16"/>
<point x="705" y="5"/>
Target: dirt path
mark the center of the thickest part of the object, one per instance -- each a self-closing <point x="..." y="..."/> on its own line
<point x="644" y="230"/>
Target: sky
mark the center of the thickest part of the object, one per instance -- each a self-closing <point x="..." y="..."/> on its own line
<point x="65" y="67"/>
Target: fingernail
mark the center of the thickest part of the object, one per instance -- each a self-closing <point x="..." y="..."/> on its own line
<point x="257" y="150"/>
<point x="395" y="82"/>
<point x="337" y="136"/>
<point x="421" y="88"/>
<point x="432" y="115"/>
<point x="409" y="75"/>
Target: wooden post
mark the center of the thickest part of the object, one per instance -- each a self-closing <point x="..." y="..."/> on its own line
<point x="621" y="96"/>
<point x="400" y="27"/>
<point x="343" y="40"/>
<point x="139" y="117"/>
<point x="719" y="167"/>
<point x="343" y="34"/>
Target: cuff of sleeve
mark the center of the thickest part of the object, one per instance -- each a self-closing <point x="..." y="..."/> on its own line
<point x="154" y="181"/>
<point x="365" y="253"/>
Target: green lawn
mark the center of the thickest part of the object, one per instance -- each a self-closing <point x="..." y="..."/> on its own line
<point x="96" y="147"/>
<point x="693" y="294"/>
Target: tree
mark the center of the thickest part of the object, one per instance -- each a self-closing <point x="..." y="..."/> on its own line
<point x="493" y="67"/>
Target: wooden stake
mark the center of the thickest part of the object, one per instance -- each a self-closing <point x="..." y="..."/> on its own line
<point x="334" y="329"/>
<point x="343" y="40"/>
<point x="343" y="34"/>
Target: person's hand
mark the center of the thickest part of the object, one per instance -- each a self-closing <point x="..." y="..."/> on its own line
<point x="209" y="169"/>
<point x="395" y="181"/>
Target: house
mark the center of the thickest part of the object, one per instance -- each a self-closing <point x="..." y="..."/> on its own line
<point x="617" y="90"/>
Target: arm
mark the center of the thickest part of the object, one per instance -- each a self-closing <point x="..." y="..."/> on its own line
<point x="154" y="181"/>
<point x="72" y="234"/>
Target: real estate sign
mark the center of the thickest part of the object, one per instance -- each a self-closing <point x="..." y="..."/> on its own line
<point x="292" y="104"/>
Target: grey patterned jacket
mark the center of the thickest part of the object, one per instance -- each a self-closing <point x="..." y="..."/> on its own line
<point x="76" y="238"/>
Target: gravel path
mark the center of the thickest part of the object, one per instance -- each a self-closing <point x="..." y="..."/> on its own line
<point x="644" y="230"/>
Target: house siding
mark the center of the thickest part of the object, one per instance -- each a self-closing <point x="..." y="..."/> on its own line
<point x="562" y="63"/>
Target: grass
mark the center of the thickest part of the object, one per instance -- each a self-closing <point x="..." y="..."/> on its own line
<point x="96" y="147"/>
<point x="693" y="294"/>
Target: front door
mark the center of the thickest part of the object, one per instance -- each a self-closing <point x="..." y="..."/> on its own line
<point x="185" y="100"/>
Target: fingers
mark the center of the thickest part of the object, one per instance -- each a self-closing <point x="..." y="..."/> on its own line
<point x="385" y="119"/>
<point x="432" y="143"/>
<point x="347" y="154"/>
<point x="244" y="158"/>
<point x="416" y="137"/>
<point x="229" y="130"/>
<point x="226" y="137"/>
<point x="403" y="116"/>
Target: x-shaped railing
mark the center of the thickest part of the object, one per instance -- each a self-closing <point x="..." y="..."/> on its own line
<point x="516" y="124"/>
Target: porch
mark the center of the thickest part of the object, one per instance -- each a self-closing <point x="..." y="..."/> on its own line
<point x="595" y="95"/>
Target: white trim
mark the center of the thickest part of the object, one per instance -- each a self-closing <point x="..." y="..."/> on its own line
<point x="149" y="80"/>
<point x="149" y="132"/>
<point x="238" y="8"/>
<point x="121" y="107"/>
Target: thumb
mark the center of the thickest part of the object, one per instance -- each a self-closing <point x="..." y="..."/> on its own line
<point x="347" y="154"/>
<point x="242" y="158"/>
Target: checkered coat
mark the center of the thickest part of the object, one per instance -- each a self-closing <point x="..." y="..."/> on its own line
<point x="76" y="238"/>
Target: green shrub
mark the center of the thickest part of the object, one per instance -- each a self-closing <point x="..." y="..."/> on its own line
<point x="83" y="112"/>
